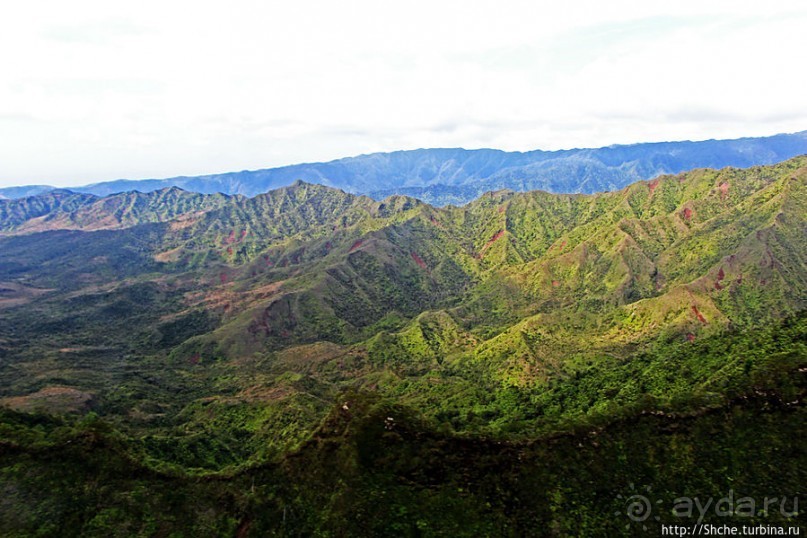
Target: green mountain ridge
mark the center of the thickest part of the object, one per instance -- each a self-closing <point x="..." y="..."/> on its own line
<point x="213" y="334"/>
<point x="66" y="210"/>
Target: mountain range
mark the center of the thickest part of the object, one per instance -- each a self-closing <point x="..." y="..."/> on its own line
<point x="309" y="361"/>
<point x="457" y="176"/>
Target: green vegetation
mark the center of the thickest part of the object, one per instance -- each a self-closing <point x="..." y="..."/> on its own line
<point x="308" y="362"/>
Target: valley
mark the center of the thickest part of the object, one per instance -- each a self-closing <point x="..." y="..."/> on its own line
<point x="313" y="362"/>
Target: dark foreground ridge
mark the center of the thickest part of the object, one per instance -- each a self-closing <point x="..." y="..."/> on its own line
<point x="359" y="476"/>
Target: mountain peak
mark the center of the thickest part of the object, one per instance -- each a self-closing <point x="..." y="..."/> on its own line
<point x="173" y="189"/>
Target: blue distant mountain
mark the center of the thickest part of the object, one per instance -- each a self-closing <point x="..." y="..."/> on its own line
<point x="456" y="176"/>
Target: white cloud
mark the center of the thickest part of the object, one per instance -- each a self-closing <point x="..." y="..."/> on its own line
<point x="95" y="90"/>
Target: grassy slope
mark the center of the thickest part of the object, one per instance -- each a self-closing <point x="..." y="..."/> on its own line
<point x="220" y="340"/>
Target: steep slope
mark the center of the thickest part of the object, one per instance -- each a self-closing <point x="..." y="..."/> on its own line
<point x="245" y="318"/>
<point x="646" y="271"/>
<point x="15" y="213"/>
<point x="397" y="362"/>
<point x="66" y="210"/>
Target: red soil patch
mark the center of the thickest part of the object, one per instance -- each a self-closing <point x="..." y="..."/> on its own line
<point x="698" y="314"/>
<point x="435" y="221"/>
<point x="560" y="247"/>
<point x="243" y="528"/>
<point x="419" y="260"/>
<point x="652" y="185"/>
<point x="659" y="281"/>
<point x="297" y="257"/>
<point x="687" y="213"/>
<point x="262" y="293"/>
<point x="497" y="236"/>
<point x="492" y="240"/>
<point x="724" y="190"/>
<point x="720" y="276"/>
<point x="555" y="283"/>
<point x="356" y="245"/>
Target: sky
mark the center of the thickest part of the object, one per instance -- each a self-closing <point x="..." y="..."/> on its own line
<point x="100" y="90"/>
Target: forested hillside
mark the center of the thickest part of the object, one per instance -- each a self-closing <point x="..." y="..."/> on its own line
<point x="312" y="362"/>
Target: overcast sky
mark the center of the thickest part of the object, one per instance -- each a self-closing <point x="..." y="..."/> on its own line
<point x="99" y="90"/>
